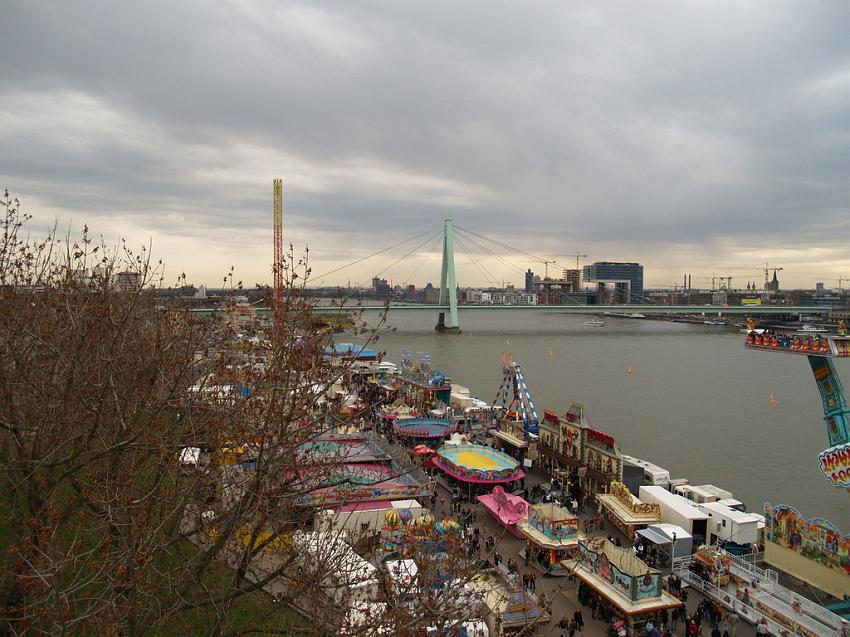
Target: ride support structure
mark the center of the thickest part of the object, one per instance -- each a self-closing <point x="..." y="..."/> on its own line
<point x="513" y="395"/>
<point x="277" y="292"/>
<point x="820" y="350"/>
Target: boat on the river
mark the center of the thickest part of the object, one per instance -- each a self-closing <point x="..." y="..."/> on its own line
<point x="594" y="322"/>
<point x="813" y="329"/>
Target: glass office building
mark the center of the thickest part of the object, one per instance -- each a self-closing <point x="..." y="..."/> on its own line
<point x="615" y="282"/>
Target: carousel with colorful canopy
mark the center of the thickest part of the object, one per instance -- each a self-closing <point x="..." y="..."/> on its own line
<point x="424" y="428"/>
<point x="477" y="464"/>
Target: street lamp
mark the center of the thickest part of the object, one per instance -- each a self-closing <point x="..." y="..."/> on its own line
<point x="672" y="552"/>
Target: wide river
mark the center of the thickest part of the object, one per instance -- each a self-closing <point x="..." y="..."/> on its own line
<point x="696" y="403"/>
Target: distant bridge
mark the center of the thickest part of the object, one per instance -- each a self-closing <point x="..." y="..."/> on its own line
<point x="447" y="307"/>
<point x="621" y="310"/>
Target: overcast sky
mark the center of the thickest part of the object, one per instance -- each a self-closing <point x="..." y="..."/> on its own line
<point x="688" y="136"/>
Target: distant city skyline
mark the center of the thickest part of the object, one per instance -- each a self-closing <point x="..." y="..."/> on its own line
<point x="689" y="137"/>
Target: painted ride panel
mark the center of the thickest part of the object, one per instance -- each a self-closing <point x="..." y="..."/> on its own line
<point x="834" y="462"/>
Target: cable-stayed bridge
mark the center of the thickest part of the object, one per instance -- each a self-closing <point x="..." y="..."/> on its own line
<point x="448" y="308"/>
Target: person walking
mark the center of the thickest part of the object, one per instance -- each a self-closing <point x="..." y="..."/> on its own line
<point x="733" y="623"/>
<point x="579" y="620"/>
<point x="563" y="626"/>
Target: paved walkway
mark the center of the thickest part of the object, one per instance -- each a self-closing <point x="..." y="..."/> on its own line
<point x="560" y="590"/>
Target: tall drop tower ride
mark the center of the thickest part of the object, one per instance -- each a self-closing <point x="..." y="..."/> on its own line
<point x="277" y="297"/>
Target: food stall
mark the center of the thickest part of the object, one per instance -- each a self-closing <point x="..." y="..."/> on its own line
<point x="627" y="588"/>
<point x="627" y="512"/>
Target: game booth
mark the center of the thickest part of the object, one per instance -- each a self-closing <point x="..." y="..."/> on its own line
<point x="508" y="510"/>
<point x="629" y="591"/>
<point x="627" y="512"/>
<point x="552" y="535"/>
<point x="475" y="465"/>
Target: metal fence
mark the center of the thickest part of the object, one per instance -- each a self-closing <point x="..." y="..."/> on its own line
<point x="747" y="569"/>
<point x="816" y="619"/>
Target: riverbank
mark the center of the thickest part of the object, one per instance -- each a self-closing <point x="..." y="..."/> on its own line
<point x="696" y="402"/>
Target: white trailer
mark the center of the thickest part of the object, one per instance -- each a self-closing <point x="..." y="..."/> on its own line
<point x="729" y="525"/>
<point x="652" y="473"/>
<point x="702" y="493"/>
<point x="677" y="510"/>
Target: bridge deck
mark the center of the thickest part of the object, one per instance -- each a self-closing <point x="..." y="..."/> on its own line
<point x="737" y="310"/>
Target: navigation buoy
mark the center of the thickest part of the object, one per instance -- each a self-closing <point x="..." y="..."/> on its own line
<point x="551" y="353"/>
<point x="772" y="400"/>
<point x="629" y="370"/>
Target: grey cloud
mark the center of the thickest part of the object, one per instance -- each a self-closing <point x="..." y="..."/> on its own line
<point x="553" y="126"/>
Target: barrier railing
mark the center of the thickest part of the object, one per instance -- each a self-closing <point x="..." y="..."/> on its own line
<point x="813" y="624"/>
<point x="767" y="578"/>
<point x="730" y="602"/>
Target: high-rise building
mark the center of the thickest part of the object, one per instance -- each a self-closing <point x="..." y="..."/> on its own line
<point x="529" y="281"/>
<point x="380" y="286"/>
<point x="573" y="277"/>
<point x="615" y="282"/>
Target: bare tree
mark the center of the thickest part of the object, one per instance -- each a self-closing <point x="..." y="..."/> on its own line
<point x="153" y="461"/>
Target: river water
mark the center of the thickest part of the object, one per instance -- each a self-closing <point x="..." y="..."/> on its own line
<point x="696" y="402"/>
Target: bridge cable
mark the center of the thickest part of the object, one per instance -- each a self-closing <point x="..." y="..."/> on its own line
<point x="488" y="277"/>
<point x="374" y="254"/>
<point x="433" y="236"/>
<point x="422" y="263"/>
<point x="494" y="255"/>
<point x="504" y="245"/>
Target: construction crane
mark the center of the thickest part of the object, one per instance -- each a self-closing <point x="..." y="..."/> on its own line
<point x="546" y="268"/>
<point x="578" y="256"/>
<point x="840" y="280"/>
<point x="767" y="269"/>
<point x="277" y="295"/>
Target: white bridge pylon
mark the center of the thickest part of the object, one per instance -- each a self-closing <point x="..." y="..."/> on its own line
<point x="448" y="282"/>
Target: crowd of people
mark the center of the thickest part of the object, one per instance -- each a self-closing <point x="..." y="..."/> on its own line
<point x="706" y="619"/>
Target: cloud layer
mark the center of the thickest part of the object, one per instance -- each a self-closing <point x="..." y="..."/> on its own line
<point x="688" y="136"/>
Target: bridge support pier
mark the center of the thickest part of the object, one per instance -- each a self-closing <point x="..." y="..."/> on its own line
<point x="448" y="283"/>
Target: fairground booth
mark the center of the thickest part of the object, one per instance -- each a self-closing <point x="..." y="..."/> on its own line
<point x="397" y="410"/>
<point x="626" y="512"/>
<point x="420" y="386"/>
<point x="508" y="510"/>
<point x="511" y="608"/>
<point x="552" y="535"/>
<point x="602" y="461"/>
<point x="626" y="587"/>
<point x="476" y="466"/>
